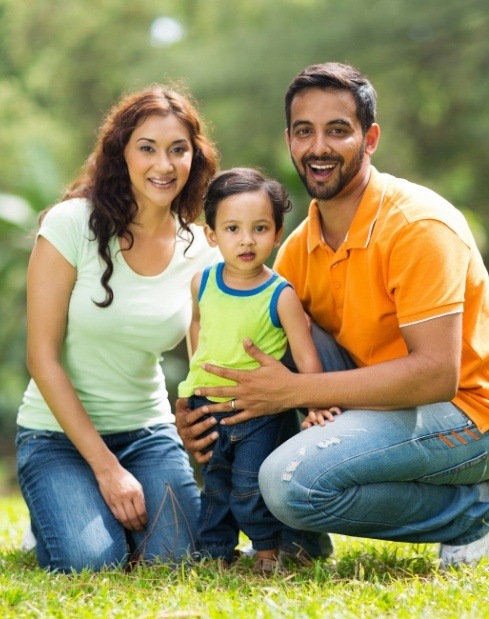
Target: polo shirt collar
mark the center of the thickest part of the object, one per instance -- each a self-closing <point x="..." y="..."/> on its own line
<point x="363" y="223"/>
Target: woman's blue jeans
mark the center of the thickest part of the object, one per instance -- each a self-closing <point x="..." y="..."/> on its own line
<point x="73" y="525"/>
<point x="404" y="475"/>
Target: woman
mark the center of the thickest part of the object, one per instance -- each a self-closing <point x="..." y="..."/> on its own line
<point x="100" y="464"/>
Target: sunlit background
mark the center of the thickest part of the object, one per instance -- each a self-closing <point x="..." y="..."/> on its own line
<point x="63" y="63"/>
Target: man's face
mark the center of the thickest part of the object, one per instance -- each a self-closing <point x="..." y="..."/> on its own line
<point x="326" y="142"/>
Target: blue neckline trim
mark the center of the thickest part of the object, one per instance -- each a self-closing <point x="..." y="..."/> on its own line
<point x="240" y="293"/>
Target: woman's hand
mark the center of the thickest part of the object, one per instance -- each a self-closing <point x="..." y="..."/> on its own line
<point x="191" y="427"/>
<point x="124" y="495"/>
<point x="265" y="390"/>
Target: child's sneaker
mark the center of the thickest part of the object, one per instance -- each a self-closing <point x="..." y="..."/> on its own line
<point x="466" y="554"/>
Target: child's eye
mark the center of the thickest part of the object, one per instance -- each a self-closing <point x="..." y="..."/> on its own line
<point x="261" y="228"/>
<point x="232" y="228"/>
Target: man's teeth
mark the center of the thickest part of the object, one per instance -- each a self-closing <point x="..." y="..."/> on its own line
<point x="316" y="166"/>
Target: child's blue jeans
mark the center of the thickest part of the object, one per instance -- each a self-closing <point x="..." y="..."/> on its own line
<point x="231" y="500"/>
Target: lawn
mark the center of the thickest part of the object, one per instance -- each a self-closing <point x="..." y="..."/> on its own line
<point x="365" y="579"/>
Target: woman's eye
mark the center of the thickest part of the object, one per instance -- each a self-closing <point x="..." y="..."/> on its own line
<point x="180" y="150"/>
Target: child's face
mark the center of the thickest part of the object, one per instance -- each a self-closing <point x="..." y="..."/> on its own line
<point x="245" y="230"/>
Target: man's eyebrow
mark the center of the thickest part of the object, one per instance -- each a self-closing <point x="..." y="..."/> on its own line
<point x="340" y="121"/>
<point x="333" y="121"/>
<point x="300" y="121"/>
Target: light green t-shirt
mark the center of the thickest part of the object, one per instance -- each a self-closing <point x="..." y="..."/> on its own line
<point x="227" y="316"/>
<point x="112" y="355"/>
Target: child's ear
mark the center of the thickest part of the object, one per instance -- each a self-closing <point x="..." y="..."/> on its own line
<point x="210" y="236"/>
<point x="278" y="237"/>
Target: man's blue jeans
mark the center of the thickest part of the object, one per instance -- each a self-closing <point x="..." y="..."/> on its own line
<point x="231" y="500"/>
<point x="73" y="525"/>
<point x="404" y="475"/>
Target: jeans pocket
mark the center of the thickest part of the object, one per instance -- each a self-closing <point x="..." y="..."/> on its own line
<point x="470" y="472"/>
<point x="239" y="431"/>
<point x="29" y="441"/>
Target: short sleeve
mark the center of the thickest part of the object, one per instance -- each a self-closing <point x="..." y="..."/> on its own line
<point x="65" y="225"/>
<point x="427" y="272"/>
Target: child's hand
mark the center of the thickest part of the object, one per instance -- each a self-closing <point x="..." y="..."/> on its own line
<point x="318" y="417"/>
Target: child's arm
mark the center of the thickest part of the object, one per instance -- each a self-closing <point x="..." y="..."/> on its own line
<point x="294" y="322"/>
<point x="194" y="329"/>
<point x="297" y="328"/>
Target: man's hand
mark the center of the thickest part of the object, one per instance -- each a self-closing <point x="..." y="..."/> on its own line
<point x="262" y="391"/>
<point x="191" y="426"/>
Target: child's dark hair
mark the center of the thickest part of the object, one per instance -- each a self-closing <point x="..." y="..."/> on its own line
<point x="243" y="180"/>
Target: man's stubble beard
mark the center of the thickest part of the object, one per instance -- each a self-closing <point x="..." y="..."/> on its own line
<point x="325" y="191"/>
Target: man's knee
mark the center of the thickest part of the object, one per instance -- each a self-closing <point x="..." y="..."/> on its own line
<point x="274" y="490"/>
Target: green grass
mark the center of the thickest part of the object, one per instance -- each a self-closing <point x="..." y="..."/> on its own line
<point x="365" y="579"/>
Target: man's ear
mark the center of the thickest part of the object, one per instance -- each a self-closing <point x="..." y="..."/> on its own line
<point x="210" y="236"/>
<point x="287" y="137"/>
<point x="372" y="138"/>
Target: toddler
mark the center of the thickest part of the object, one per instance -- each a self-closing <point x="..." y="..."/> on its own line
<point x="238" y="298"/>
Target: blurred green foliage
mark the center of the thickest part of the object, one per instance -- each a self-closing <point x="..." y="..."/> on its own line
<point x="62" y="64"/>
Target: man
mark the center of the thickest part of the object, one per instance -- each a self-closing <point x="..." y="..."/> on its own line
<point x="391" y="273"/>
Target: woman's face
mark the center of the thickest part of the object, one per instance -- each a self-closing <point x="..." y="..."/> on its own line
<point x="158" y="157"/>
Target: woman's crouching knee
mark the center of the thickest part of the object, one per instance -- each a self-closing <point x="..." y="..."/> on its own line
<point x="78" y="558"/>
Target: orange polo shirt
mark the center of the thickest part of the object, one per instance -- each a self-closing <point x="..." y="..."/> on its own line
<point x="409" y="256"/>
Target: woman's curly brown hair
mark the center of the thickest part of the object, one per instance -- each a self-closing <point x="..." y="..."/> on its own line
<point x="105" y="182"/>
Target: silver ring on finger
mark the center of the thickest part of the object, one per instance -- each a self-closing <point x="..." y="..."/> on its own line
<point x="233" y="404"/>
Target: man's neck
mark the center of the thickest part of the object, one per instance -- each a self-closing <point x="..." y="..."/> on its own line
<point x="338" y="213"/>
